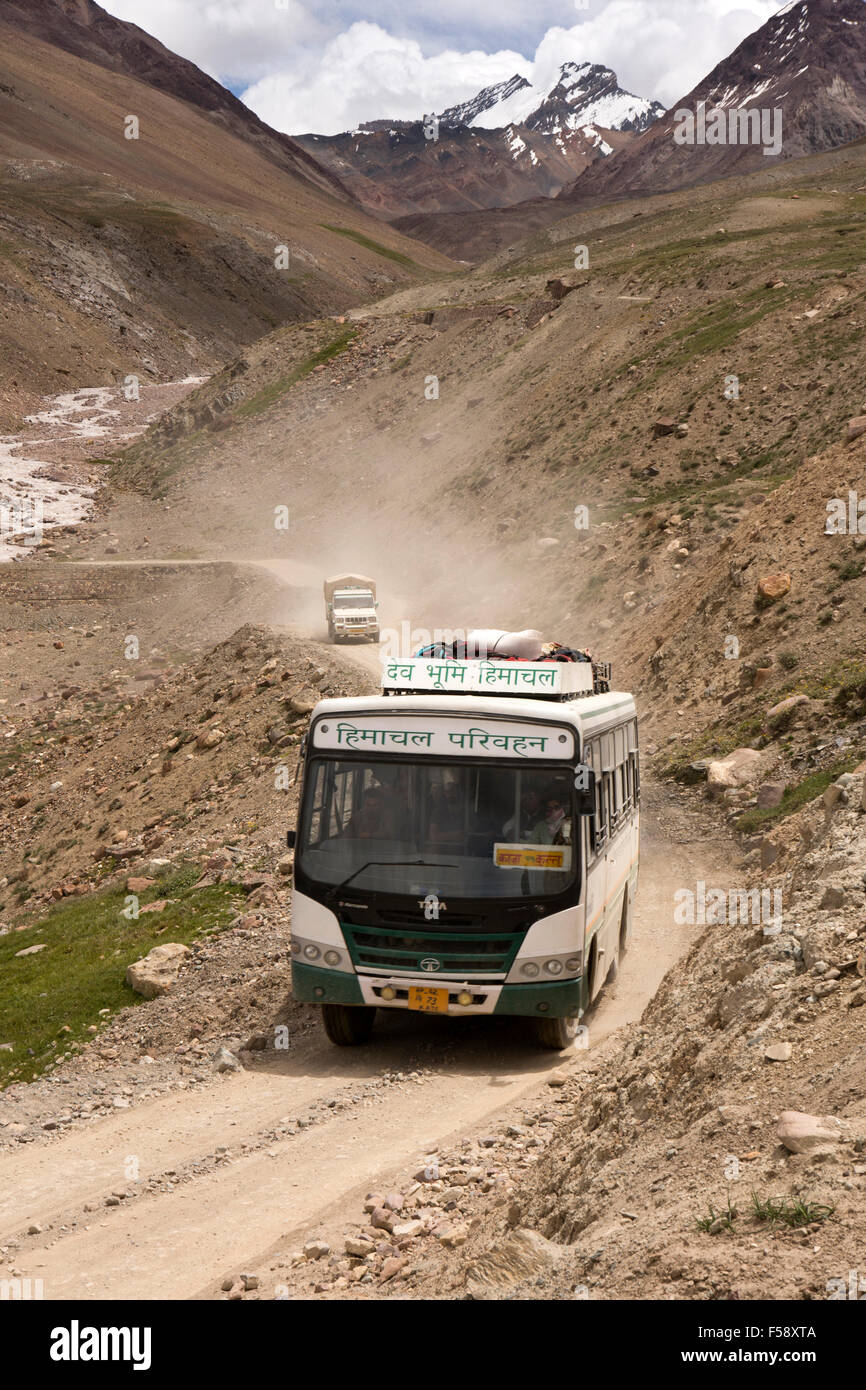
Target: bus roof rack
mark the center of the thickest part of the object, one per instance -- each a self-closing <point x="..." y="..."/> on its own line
<point x="534" y="680"/>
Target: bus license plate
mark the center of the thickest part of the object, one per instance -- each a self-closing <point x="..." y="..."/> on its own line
<point x="428" y="1001"/>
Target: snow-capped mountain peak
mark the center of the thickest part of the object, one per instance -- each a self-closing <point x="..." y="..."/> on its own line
<point x="584" y="94"/>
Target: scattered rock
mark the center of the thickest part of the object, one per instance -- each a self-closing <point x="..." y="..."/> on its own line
<point x="773" y="587"/>
<point x="157" y="971"/>
<point x="224" y="1060"/>
<point x="521" y="1256"/>
<point x="801" y="1133"/>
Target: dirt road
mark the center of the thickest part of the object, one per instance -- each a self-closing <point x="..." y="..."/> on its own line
<point x="221" y="1212"/>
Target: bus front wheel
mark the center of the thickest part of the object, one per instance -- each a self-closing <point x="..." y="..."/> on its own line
<point x="554" y="1034"/>
<point x="348" y="1025"/>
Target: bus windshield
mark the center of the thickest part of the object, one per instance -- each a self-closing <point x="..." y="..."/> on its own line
<point x="470" y="831"/>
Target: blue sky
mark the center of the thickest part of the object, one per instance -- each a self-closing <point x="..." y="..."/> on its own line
<point x="329" y="65"/>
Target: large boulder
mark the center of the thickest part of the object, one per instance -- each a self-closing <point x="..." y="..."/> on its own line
<point x="521" y="1256"/>
<point x="157" y="971"/>
<point x="739" y="769"/>
<point x="773" y="587"/>
<point x="809" y="1134"/>
<point x="783" y="715"/>
<point x="801" y="1133"/>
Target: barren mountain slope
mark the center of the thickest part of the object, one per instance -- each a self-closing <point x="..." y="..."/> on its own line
<point x="160" y="254"/>
<point x="83" y="28"/>
<point x="397" y="172"/>
<point x="509" y="143"/>
<point x="808" y="61"/>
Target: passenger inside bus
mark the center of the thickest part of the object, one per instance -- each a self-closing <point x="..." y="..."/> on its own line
<point x="378" y="817"/>
<point x="446" y="815"/>
<point x="519" y="827"/>
<point x="554" y="828"/>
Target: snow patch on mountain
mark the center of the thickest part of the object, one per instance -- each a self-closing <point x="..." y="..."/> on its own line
<point x="585" y="94"/>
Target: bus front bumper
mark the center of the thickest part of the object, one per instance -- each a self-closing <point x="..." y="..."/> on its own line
<point x="560" y="999"/>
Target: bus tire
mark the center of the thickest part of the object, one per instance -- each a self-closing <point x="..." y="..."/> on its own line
<point x="592" y="972"/>
<point x="625" y="924"/>
<point x="554" y="1034"/>
<point x="348" y="1025"/>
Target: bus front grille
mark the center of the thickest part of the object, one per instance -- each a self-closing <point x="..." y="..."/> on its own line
<point x="463" y="953"/>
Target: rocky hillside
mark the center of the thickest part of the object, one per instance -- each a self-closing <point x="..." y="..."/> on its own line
<point x="721" y="337"/>
<point x="85" y="29"/>
<point x="808" y="61"/>
<point x="509" y="143"/>
<point x="156" y="255"/>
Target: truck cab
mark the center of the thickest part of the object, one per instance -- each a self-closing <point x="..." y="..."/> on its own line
<point x="351" y="608"/>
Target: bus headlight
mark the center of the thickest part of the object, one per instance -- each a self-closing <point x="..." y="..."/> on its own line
<point x="560" y="968"/>
<point x="325" y="953"/>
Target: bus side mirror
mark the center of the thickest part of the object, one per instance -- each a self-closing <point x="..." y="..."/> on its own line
<point x="584" y="789"/>
<point x="291" y="838"/>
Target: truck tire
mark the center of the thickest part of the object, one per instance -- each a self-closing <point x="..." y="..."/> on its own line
<point x="554" y="1034"/>
<point x="374" y="636"/>
<point x="348" y="1025"/>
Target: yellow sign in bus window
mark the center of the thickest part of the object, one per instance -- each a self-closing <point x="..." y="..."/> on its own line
<point x="556" y="857"/>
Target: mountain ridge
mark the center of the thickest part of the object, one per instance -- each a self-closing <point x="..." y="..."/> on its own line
<point x="508" y="143"/>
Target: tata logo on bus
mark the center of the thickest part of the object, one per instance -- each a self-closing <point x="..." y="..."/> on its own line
<point x="429" y="964"/>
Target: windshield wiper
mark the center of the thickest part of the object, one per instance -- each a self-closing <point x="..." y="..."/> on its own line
<point x="397" y="863"/>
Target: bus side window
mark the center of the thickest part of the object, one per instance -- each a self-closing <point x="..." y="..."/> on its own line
<point x="598" y="826"/>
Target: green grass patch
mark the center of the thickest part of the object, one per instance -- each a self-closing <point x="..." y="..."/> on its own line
<point x="783" y="1211"/>
<point x="795" y="798"/>
<point x="370" y="245"/>
<point x="717" y="1221"/>
<point x="271" y="393"/>
<point x="89" y="944"/>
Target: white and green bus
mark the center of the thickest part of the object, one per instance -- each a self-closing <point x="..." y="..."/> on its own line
<point x="467" y="844"/>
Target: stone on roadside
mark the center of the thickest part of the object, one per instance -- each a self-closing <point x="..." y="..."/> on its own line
<point x="801" y="1133"/>
<point x="739" y="769"/>
<point x="316" y="1249"/>
<point x="156" y="972"/>
<point x="770" y="794"/>
<point x="521" y="1256"/>
<point x="453" y="1235"/>
<point x="224" y="1060"/>
<point x="359" y="1246"/>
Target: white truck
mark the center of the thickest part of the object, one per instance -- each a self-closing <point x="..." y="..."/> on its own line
<point x="351" y="607"/>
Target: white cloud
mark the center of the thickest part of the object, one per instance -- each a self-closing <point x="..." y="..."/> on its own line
<point x="329" y="65"/>
<point x="368" y="74"/>
<point x="658" y="48"/>
<point x="229" y="39"/>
